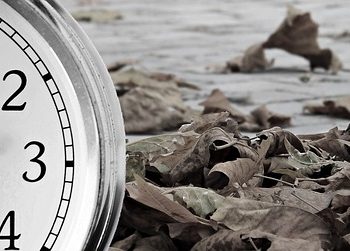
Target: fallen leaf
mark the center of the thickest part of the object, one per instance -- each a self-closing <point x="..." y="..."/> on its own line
<point x="334" y="107"/>
<point x="164" y="144"/>
<point x="276" y="137"/>
<point x="307" y="163"/>
<point x="282" y="165"/>
<point x="193" y="158"/>
<point x="240" y="214"/>
<point x="135" y="164"/>
<point x="336" y="143"/>
<point x="118" y="65"/>
<point x="298" y="35"/>
<point x="217" y="102"/>
<point x="149" y="111"/>
<point x="259" y="119"/>
<point x="237" y="171"/>
<point x="307" y="200"/>
<point x="284" y="224"/>
<point x="189" y="233"/>
<point x="254" y="59"/>
<point x="341" y="199"/>
<point x="211" y="120"/>
<point x="149" y="105"/>
<point x="151" y="197"/>
<point x="115" y="249"/>
<point x="171" y="77"/>
<point x="201" y="201"/>
<point x="267" y="119"/>
<point x="224" y="240"/>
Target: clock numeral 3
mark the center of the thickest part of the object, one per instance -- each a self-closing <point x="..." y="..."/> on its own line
<point x="36" y="160"/>
<point x="11" y="236"/>
<point x="7" y="106"/>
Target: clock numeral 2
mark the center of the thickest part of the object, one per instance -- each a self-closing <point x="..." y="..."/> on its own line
<point x="12" y="236"/>
<point x="7" y="106"/>
<point x="36" y="160"/>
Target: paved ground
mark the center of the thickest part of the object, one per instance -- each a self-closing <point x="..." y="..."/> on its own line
<point x="183" y="37"/>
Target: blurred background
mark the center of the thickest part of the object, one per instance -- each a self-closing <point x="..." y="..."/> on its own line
<point x="191" y="39"/>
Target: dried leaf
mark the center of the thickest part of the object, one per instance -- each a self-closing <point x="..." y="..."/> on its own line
<point x="237" y="171"/>
<point x="334" y="142"/>
<point x="115" y="249"/>
<point x="224" y="240"/>
<point x="163" y="144"/>
<point x="298" y="35"/>
<point x="191" y="159"/>
<point x="171" y="77"/>
<point x="339" y="180"/>
<point x="211" y="120"/>
<point x="254" y="59"/>
<point x="150" y="111"/>
<point x="307" y="200"/>
<point x="158" y="104"/>
<point x="201" y="200"/>
<point x="282" y="165"/>
<point x="267" y="119"/>
<point x="217" y="102"/>
<point x="334" y="107"/>
<point x="135" y="164"/>
<point x="276" y="136"/>
<point x="240" y="214"/>
<point x="190" y="233"/>
<point x="151" y="197"/>
<point x="288" y="224"/>
<point x="341" y="199"/>
<point x="307" y="163"/>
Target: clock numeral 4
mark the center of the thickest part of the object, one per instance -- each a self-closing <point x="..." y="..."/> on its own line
<point x="11" y="237"/>
<point x="10" y="107"/>
<point x="36" y="160"/>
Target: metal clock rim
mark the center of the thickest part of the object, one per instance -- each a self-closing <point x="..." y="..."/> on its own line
<point x="56" y="23"/>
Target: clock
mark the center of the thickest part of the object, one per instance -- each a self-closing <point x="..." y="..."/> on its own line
<point x="62" y="142"/>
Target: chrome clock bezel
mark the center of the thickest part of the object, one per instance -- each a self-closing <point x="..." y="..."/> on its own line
<point x="99" y="106"/>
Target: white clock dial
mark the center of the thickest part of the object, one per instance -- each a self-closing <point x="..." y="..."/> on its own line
<point x="57" y="137"/>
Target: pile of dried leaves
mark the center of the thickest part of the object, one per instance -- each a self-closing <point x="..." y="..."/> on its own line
<point x="296" y="35"/>
<point x="207" y="187"/>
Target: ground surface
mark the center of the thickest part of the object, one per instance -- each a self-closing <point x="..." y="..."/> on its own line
<point x="184" y="37"/>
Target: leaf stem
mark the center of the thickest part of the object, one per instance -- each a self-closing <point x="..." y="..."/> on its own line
<point x="253" y="244"/>
<point x="270" y="178"/>
<point x="217" y="148"/>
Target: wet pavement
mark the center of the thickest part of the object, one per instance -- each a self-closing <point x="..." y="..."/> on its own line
<point x="184" y="37"/>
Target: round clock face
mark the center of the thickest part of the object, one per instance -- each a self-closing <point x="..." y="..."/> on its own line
<point x="51" y="168"/>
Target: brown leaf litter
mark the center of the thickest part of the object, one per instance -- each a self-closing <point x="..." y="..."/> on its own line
<point x="259" y="119"/>
<point x="207" y="187"/>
